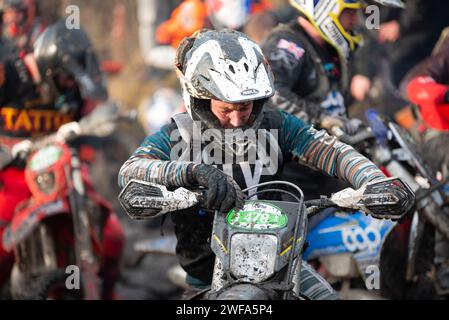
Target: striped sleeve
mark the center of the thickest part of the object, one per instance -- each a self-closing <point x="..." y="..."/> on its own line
<point x="151" y="162"/>
<point x="320" y="151"/>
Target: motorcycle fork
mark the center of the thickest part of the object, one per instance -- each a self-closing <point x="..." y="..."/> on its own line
<point x="39" y="250"/>
<point x="415" y="238"/>
<point x="85" y="257"/>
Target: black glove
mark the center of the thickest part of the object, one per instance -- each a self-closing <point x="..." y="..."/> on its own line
<point x="223" y="192"/>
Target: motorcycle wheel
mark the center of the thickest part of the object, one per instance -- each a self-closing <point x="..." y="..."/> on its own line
<point x="48" y="286"/>
<point x="393" y="264"/>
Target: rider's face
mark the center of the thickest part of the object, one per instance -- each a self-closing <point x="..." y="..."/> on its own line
<point x="232" y="115"/>
<point x="349" y="19"/>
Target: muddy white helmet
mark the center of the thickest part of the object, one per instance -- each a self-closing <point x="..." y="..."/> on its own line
<point x="223" y="65"/>
<point x="325" y="17"/>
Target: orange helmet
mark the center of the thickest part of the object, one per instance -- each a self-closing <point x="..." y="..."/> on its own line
<point x="187" y="18"/>
<point x="193" y="15"/>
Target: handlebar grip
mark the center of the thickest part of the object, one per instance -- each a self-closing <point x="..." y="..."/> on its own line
<point x="311" y="211"/>
<point x="322" y="203"/>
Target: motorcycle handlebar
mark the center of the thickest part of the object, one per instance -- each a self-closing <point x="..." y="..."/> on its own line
<point x="316" y="205"/>
<point x="93" y="125"/>
<point x="313" y="206"/>
<point x="22" y="149"/>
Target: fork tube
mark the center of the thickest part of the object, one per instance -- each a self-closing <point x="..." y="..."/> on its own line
<point x="84" y="254"/>
<point x="289" y="275"/>
<point x="48" y="248"/>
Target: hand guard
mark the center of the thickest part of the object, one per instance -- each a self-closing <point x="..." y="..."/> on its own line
<point x="388" y="198"/>
<point x="21" y="149"/>
<point x="223" y="192"/>
<point x="68" y="131"/>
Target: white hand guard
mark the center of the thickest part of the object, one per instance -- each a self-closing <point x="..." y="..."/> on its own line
<point x="21" y="149"/>
<point x="68" y="131"/>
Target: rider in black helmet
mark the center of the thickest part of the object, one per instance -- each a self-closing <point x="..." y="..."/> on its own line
<point x="66" y="60"/>
<point x="59" y="82"/>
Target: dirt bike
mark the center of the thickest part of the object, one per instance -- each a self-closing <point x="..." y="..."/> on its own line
<point x="407" y="255"/>
<point x="258" y="249"/>
<point x="61" y="224"/>
<point x="403" y="252"/>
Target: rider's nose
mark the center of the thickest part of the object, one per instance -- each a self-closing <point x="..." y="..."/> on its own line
<point x="235" y="119"/>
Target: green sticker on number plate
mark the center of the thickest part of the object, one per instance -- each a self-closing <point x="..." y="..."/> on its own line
<point x="258" y="215"/>
<point x="45" y="158"/>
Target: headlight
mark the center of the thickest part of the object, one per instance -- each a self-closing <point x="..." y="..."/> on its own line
<point x="253" y="256"/>
<point x="46" y="182"/>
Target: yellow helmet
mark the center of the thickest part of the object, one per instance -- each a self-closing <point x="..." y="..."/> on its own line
<point x="325" y="17"/>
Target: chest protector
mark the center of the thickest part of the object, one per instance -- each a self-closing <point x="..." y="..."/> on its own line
<point x="258" y="158"/>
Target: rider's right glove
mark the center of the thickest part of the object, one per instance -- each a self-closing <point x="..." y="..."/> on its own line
<point x="223" y="192"/>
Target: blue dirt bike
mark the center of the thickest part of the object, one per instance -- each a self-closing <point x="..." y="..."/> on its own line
<point x="366" y="258"/>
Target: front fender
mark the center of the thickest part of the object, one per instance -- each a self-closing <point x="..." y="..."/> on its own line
<point x="28" y="218"/>
<point x="243" y="292"/>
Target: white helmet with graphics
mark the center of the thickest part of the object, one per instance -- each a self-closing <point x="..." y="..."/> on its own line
<point x="223" y="65"/>
<point x="325" y="17"/>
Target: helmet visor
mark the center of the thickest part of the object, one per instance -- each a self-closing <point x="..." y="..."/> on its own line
<point x="90" y="79"/>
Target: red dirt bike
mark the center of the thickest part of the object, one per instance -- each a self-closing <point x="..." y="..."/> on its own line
<point x="58" y="231"/>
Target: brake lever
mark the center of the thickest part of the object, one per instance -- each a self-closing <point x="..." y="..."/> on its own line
<point x="201" y="195"/>
<point x="424" y="193"/>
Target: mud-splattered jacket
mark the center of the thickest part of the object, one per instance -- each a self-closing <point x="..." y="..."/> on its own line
<point x="154" y="161"/>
